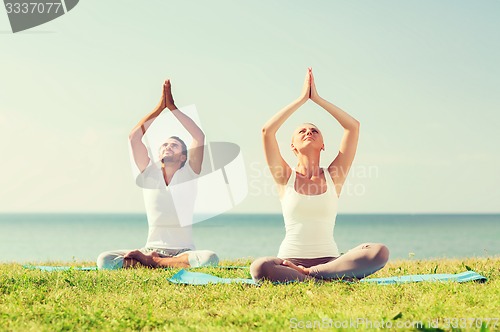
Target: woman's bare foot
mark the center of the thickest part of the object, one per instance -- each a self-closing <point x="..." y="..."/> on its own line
<point x="300" y="268"/>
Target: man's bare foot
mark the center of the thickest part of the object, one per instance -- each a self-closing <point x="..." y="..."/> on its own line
<point x="300" y="268"/>
<point x="144" y="259"/>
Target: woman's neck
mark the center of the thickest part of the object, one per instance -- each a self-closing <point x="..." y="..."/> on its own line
<point x="308" y="166"/>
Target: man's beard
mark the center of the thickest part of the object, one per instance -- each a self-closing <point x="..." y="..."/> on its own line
<point x="168" y="159"/>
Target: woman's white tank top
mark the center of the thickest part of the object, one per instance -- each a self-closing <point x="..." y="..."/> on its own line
<point x="309" y="221"/>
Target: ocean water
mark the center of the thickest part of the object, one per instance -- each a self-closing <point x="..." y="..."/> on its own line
<point x="81" y="237"/>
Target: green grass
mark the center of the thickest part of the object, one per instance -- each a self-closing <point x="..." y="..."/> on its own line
<point x="143" y="299"/>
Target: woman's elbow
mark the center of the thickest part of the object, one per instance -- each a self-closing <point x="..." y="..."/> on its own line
<point x="265" y="131"/>
<point x="355" y="125"/>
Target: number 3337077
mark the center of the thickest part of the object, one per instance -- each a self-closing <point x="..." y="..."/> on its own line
<point x="33" y="7"/>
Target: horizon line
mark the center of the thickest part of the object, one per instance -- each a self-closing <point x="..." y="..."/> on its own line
<point x="251" y="213"/>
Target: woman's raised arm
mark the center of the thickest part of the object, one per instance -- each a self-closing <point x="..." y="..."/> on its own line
<point x="280" y="170"/>
<point x="339" y="168"/>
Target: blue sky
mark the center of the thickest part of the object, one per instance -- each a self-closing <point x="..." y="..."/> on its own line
<point x="421" y="77"/>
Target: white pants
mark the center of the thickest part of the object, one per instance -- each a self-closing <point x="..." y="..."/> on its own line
<point x="113" y="260"/>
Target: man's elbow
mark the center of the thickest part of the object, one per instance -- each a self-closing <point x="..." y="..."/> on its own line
<point x="137" y="134"/>
<point x="134" y="135"/>
<point x="200" y="138"/>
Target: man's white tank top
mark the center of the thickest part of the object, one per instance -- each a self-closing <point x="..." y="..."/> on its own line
<point x="166" y="207"/>
<point x="309" y="221"/>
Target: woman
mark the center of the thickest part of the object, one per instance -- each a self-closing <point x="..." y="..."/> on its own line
<point x="309" y="195"/>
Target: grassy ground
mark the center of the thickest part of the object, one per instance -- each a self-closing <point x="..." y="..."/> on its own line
<point x="143" y="299"/>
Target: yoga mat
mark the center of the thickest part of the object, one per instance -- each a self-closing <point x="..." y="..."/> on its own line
<point x="60" y="268"/>
<point x="227" y="267"/>
<point x="460" y="277"/>
<point x="197" y="278"/>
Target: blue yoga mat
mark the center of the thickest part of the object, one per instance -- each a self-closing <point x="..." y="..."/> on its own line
<point x="60" y="268"/>
<point x="460" y="277"/>
<point x="197" y="278"/>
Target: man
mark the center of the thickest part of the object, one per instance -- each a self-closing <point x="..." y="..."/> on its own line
<point x="166" y="183"/>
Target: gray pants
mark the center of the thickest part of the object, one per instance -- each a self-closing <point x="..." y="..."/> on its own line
<point x="113" y="260"/>
<point x="358" y="263"/>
